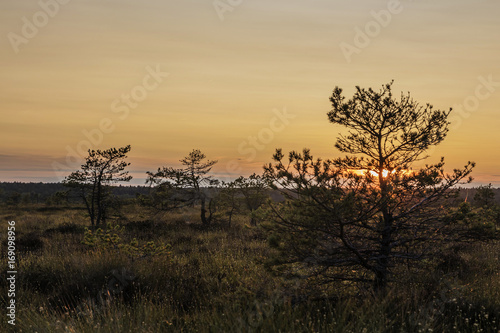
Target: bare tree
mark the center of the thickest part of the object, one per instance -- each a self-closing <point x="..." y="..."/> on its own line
<point x="227" y="200"/>
<point x="244" y="193"/>
<point x="253" y="191"/>
<point x="186" y="186"/>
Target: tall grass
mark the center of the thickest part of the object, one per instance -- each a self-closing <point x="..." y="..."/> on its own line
<point x="214" y="280"/>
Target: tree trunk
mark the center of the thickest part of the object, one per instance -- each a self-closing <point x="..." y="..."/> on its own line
<point x="204" y="219"/>
<point x="89" y="209"/>
<point x="386" y="222"/>
<point x="253" y="221"/>
<point x="230" y="216"/>
<point x="99" y="203"/>
<point x="382" y="267"/>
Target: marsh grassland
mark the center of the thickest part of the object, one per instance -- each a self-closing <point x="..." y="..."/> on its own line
<point x="171" y="274"/>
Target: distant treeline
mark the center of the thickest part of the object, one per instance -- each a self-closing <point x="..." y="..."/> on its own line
<point x="468" y="194"/>
<point x="56" y="193"/>
<point x="18" y="192"/>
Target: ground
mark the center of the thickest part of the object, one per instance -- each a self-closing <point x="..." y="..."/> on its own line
<point x="178" y="275"/>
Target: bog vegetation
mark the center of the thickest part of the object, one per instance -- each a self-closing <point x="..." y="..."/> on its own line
<point x="361" y="243"/>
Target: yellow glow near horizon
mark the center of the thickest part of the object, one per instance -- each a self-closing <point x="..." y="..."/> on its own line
<point x="374" y="173"/>
<point x="385" y="173"/>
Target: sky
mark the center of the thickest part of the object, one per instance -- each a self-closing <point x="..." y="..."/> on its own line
<point x="234" y="78"/>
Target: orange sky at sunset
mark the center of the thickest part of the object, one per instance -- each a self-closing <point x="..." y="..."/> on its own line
<point x="235" y="79"/>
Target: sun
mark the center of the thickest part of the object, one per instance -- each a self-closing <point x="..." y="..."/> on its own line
<point x="385" y="173"/>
